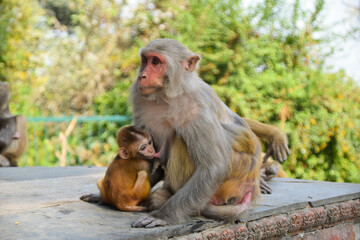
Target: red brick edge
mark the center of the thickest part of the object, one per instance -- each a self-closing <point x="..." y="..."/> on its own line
<point x="288" y="224"/>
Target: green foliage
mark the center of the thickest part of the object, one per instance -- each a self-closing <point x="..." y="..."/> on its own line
<point x="19" y="42"/>
<point x="265" y="61"/>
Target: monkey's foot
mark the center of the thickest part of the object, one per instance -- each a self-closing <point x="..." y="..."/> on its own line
<point x="270" y="171"/>
<point x="92" y="198"/>
<point x="148" y="222"/>
<point x="4" y="162"/>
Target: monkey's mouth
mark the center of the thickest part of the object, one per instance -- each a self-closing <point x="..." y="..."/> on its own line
<point x="149" y="157"/>
<point x="147" y="90"/>
<point x="157" y="155"/>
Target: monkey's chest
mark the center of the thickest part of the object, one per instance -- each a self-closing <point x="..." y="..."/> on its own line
<point x="142" y="165"/>
<point x="180" y="166"/>
<point x="156" y="123"/>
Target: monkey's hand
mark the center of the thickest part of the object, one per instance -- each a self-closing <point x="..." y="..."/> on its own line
<point x="157" y="176"/>
<point x="278" y="146"/>
<point x="264" y="187"/>
<point x="160" y="172"/>
<point x="148" y="222"/>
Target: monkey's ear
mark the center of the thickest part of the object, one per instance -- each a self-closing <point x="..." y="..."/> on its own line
<point x="191" y="63"/>
<point x="123" y="153"/>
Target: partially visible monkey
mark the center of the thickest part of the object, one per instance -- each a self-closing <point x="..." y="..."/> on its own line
<point x="212" y="155"/>
<point x="127" y="182"/>
<point x="13" y="130"/>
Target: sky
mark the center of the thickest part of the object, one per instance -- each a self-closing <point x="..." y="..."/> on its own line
<point x="349" y="58"/>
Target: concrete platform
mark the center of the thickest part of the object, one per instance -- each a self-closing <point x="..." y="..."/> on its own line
<point x="43" y="203"/>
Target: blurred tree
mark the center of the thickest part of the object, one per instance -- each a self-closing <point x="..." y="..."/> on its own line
<point x="60" y="11"/>
<point x="84" y="51"/>
<point x="20" y="55"/>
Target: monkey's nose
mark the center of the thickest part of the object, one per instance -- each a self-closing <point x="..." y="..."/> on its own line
<point x="142" y="76"/>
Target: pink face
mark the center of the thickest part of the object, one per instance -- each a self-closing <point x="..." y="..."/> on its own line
<point x="146" y="148"/>
<point x="152" y="72"/>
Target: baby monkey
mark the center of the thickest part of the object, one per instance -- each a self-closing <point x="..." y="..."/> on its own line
<point x="127" y="182"/>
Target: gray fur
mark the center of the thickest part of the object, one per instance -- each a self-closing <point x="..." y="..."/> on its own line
<point x="189" y="108"/>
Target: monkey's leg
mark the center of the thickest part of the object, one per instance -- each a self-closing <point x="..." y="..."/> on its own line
<point x="158" y="198"/>
<point x="133" y="208"/>
<point x="140" y="192"/>
<point x="129" y="200"/>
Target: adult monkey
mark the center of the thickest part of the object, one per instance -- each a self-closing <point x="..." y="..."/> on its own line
<point x="13" y="130"/>
<point x="213" y="157"/>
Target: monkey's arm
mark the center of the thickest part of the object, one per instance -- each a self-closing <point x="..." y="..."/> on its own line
<point x="278" y="142"/>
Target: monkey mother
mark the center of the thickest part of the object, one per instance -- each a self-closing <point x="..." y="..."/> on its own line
<point x="212" y="156"/>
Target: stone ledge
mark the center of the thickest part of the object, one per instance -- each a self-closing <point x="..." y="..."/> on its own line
<point x="287" y="225"/>
<point x="43" y="203"/>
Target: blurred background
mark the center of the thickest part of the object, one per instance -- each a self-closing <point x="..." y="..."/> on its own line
<point x="70" y="63"/>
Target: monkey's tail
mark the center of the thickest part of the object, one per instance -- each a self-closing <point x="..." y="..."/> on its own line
<point x="228" y="213"/>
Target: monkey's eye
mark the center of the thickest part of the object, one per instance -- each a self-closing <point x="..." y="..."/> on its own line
<point x="142" y="148"/>
<point x="150" y="142"/>
<point x="156" y="61"/>
<point x="143" y="59"/>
